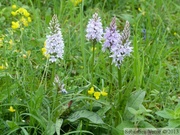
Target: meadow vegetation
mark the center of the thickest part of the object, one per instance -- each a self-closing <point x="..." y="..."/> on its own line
<point x="81" y="90"/>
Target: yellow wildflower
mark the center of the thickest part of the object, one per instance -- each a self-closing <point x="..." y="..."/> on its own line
<point x="13" y="6"/>
<point x="24" y="21"/>
<point x="76" y="2"/>
<point x="97" y="95"/>
<point x="29" y="19"/>
<point x="15" y="25"/>
<point x="91" y="91"/>
<point x="20" y="10"/>
<point x="103" y="93"/>
<point x="44" y="51"/>
<point x="11" y="109"/>
<point x="23" y="11"/>
<point x="14" y="13"/>
<point x="26" y="13"/>
<point x="2" y="67"/>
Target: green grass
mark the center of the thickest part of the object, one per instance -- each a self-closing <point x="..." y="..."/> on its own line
<point x="150" y="77"/>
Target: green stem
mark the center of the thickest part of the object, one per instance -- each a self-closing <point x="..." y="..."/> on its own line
<point x="91" y="105"/>
<point x="119" y="78"/>
<point x="120" y="100"/>
<point x="44" y="76"/>
<point x="92" y="65"/>
<point x="82" y="37"/>
<point x="53" y="73"/>
<point x="110" y="85"/>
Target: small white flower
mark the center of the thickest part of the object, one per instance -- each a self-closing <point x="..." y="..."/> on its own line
<point x="111" y="36"/>
<point x="54" y="41"/>
<point x="94" y="28"/>
<point x="63" y="90"/>
<point x="59" y="85"/>
<point x="122" y="49"/>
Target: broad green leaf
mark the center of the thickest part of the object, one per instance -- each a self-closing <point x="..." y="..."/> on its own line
<point x="134" y="101"/>
<point x="93" y="117"/>
<point x="143" y="109"/>
<point x="174" y="123"/>
<point x="139" y="118"/>
<point x="58" y="125"/>
<point x="177" y="108"/>
<point x="50" y="129"/>
<point x="145" y="124"/>
<point x="103" y="110"/>
<point x="149" y="115"/>
<point x="125" y="124"/>
<point x="166" y="113"/>
<point x="132" y="111"/>
<point x="96" y="106"/>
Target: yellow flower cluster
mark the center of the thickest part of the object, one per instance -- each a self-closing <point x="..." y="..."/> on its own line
<point x="97" y="94"/>
<point x="76" y="2"/>
<point x="23" y="17"/>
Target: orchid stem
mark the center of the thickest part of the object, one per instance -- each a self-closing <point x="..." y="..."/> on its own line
<point x="119" y="78"/>
<point x="120" y="85"/>
<point x="92" y="66"/>
<point x="110" y="86"/>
